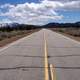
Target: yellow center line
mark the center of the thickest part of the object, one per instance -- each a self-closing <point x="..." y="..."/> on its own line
<point x="52" y="68"/>
<point x="46" y="59"/>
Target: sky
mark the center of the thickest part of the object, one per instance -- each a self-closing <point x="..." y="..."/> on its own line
<point x="39" y="12"/>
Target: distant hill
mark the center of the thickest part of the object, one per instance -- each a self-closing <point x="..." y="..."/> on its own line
<point x="17" y="26"/>
<point x="9" y="24"/>
<point x="53" y="25"/>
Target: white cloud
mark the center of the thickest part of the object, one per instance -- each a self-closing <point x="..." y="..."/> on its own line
<point x="72" y="5"/>
<point x="37" y="13"/>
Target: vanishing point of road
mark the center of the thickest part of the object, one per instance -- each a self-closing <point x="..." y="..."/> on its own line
<point x="43" y="55"/>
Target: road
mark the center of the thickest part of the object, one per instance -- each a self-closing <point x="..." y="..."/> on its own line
<point x="39" y="56"/>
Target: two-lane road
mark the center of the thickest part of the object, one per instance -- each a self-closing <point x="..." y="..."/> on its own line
<point x="26" y="58"/>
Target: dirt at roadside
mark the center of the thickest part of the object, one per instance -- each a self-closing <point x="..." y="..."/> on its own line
<point x="66" y="34"/>
<point x="14" y="38"/>
<point x="70" y="36"/>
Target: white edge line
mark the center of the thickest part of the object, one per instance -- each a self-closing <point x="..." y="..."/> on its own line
<point x="13" y="43"/>
<point x="77" y="42"/>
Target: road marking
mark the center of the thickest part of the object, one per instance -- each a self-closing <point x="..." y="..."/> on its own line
<point x="53" y="73"/>
<point x="15" y="42"/>
<point x="68" y="38"/>
<point x="46" y="59"/>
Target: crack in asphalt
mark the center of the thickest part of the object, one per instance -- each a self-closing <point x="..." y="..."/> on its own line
<point x="36" y="67"/>
<point x="72" y="55"/>
<point x="24" y="56"/>
<point x="75" y="55"/>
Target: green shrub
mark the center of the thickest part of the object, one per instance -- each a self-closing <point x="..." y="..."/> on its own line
<point x="61" y="30"/>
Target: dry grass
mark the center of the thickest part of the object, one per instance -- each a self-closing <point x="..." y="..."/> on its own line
<point x="73" y="33"/>
<point x="8" y="37"/>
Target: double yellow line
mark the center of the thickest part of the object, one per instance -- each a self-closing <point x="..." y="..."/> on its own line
<point x="52" y="69"/>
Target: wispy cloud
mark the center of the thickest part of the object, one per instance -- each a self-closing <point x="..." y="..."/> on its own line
<point x="37" y="13"/>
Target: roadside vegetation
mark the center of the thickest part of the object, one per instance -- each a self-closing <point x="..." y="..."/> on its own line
<point x="72" y="32"/>
<point x="10" y="34"/>
<point x="5" y="34"/>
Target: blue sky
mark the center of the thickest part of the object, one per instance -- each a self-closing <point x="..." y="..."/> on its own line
<point x="39" y="12"/>
<point x="17" y="1"/>
<point x="70" y="16"/>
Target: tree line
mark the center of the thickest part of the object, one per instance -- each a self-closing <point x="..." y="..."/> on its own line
<point x="30" y="27"/>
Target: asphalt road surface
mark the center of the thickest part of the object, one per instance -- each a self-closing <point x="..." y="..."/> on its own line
<point x="25" y="59"/>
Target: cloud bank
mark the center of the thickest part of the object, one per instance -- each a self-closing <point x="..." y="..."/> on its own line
<point x="37" y="13"/>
